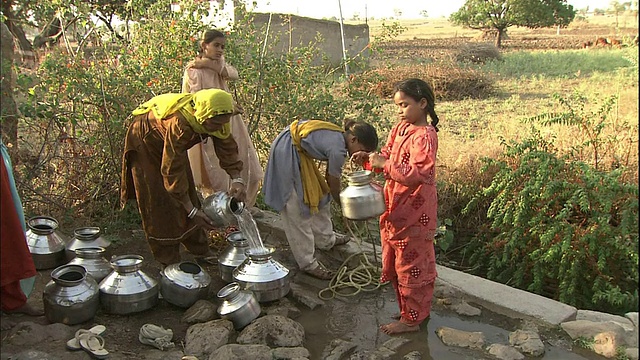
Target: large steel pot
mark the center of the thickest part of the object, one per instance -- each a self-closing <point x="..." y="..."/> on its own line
<point x="184" y="283"/>
<point x="92" y="260"/>
<point x="261" y="274"/>
<point x="71" y="297"/>
<point x="222" y="209"/>
<point x="85" y="237"/>
<point x="362" y="199"/>
<point x="238" y="306"/>
<point x="46" y="243"/>
<point x="233" y="255"/>
<point x="128" y="289"/>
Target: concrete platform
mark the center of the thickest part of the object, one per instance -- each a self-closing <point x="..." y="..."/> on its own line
<point x="496" y="297"/>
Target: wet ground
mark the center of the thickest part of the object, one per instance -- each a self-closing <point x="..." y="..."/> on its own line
<point x="354" y="318"/>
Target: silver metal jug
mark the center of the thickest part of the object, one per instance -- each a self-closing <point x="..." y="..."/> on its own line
<point x="261" y="274"/>
<point x="46" y="243"/>
<point x="222" y="209"/>
<point x="184" y="283"/>
<point x="238" y="306"/>
<point x="85" y="237"/>
<point x="92" y="259"/>
<point x="362" y="199"/>
<point x="71" y="297"/>
<point x="233" y="255"/>
<point x="128" y="289"/>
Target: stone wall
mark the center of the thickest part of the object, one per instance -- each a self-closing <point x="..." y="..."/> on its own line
<point x="290" y="30"/>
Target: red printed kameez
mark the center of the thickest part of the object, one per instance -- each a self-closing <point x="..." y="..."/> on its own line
<point x="408" y="225"/>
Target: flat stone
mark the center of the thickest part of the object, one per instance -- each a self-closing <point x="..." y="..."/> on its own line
<point x="460" y="338"/>
<point x="507" y="300"/>
<point x="504" y="352"/>
<point x="597" y="316"/>
<point x="306" y="297"/>
<point x="414" y="355"/>
<point x="463" y="308"/>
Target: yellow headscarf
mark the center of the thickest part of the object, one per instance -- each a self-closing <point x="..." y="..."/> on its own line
<point x="314" y="184"/>
<point x="196" y="108"/>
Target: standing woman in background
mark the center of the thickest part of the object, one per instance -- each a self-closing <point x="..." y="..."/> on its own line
<point x="210" y="71"/>
<point x="408" y="225"/>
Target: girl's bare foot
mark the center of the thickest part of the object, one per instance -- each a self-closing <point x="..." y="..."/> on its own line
<point x="396" y="316"/>
<point x="398" y="327"/>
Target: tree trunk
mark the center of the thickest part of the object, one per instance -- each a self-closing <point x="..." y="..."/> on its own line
<point x="50" y="34"/>
<point x="26" y="49"/>
<point x="499" y="38"/>
<point x="8" y="108"/>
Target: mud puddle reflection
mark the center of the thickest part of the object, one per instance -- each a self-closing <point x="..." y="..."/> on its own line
<point x="358" y="318"/>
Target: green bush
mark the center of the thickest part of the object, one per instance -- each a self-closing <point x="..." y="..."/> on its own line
<point x="560" y="228"/>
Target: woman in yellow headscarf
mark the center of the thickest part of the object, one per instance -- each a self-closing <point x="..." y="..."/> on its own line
<point x="156" y="172"/>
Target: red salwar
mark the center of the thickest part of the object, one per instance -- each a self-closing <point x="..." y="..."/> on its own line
<point x="408" y="225"/>
<point x="16" y="262"/>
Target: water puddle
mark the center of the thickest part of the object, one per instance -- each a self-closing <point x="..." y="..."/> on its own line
<point x="358" y="318"/>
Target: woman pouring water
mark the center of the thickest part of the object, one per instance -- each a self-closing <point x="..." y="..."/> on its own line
<point x="156" y="171"/>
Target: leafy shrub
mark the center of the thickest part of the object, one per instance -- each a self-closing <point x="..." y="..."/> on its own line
<point x="560" y="228"/>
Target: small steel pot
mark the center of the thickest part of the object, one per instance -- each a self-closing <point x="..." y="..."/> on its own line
<point x="71" y="297"/>
<point x="46" y="243"/>
<point x="184" y="283"/>
<point x="233" y="255"/>
<point x="362" y="199"/>
<point x="128" y="289"/>
<point x="238" y="306"/>
<point x="264" y="276"/>
<point x="92" y="260"/>
<point x="85" y="237"/>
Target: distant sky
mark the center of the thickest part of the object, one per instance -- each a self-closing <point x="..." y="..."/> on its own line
<point x="382" y="8"/>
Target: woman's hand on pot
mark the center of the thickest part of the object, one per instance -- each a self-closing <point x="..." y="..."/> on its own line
<point x="238" y="191"/>
<point x="203" y="220"/>
<point x="360" y="157"/>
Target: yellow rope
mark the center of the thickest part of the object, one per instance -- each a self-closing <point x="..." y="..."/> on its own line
<point x="364" y="277"/>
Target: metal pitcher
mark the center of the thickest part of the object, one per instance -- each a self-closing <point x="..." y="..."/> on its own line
<point x="128" y="289"/>
<point x="71" y="297"/>
<point x="362" y="199"/>
<point x="46" y="243"/>
<point x="184" y="283"/>
<point x="238" y="306"/>
<point x="222" y="209"/>
<point x="92" y="260"/>
<point x="264" y="276"/>
<point x="233" y="255"/>
<point x="85" y="237"/>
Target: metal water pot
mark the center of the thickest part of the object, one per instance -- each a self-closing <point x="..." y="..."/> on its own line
<point x="222" y="209"/>
<point x="128" y="289"/>
<point x="71" y="297"/>
<point x="238" y="306"/>
<point x="184" y="283"/>
<point x="85" y="237"/>
<point x="362" y="199"/>
<point x="233" y="255"/>
<point x="261" y="274"/>
<point x="46" y="243"/>
<point x="91" y="258"/>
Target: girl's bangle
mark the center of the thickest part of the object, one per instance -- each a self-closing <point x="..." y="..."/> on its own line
<point x="192" y="213"/>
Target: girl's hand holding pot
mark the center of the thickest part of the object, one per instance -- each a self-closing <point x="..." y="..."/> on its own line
<point x="376" y="160"/>
<point x="360" y="157"/>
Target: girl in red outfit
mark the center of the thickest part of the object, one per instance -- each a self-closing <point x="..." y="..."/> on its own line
<point x="408" y="225"/>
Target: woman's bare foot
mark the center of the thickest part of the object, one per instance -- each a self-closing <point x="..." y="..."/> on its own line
<point x="26" y="309"/>
<point x="398" y="327"/>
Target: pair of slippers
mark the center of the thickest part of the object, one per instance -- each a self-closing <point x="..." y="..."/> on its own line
<point x="90" y="341"/>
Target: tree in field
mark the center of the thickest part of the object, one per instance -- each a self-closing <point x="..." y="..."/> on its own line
<point x="616" y="8"/>
<point x="424" y="13"/>
<point x="498" y="15"/>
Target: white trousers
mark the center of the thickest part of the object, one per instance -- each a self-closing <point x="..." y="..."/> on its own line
<point x="306" y="233"/>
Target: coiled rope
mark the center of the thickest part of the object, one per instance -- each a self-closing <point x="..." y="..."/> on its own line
<point x="349" y="282"/>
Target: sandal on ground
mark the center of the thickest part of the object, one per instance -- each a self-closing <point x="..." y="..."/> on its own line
<point x="94" y="345"/>
<point x="321" y="273"/>
<point x="156" y="336"/>
<point x="342" y="239"/>
<point x="74" y="344"/>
